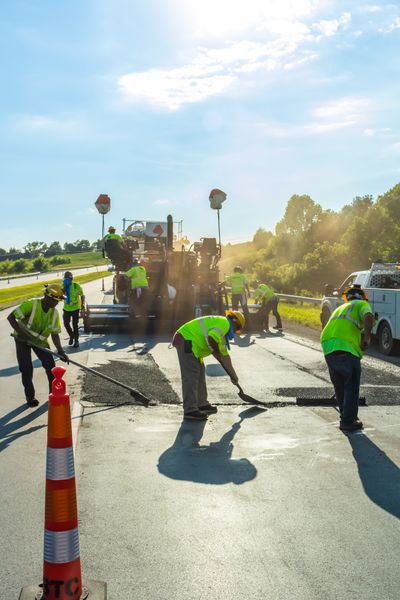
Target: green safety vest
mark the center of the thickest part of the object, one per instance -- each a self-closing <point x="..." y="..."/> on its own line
<point x="36" y="323"/>
<point x="264" y="292"/>
<point x="343" y="330"/>
<point x="75" y="293"/>
<point x="113" y="236"/>
<point x="237" y="282"/>
<point x="138" y="277"/>
<point x="198" y="331"/>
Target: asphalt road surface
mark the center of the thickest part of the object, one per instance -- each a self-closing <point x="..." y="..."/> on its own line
<point x="263" y="504"/>
<point x="14" y="282"/>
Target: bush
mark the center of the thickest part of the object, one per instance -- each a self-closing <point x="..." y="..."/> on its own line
<point x="19" y="266"/>
<point x="60" y="260"/>
<point x="40" y="264"/>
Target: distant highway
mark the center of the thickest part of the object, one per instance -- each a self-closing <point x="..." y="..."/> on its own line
<point x="5" y="283"/>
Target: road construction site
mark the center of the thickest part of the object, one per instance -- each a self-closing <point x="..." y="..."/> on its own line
<point x="255" y="503"/>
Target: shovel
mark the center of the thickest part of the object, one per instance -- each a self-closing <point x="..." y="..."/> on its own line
<point x="249" y="399"/>
<point x="134" y="393"/>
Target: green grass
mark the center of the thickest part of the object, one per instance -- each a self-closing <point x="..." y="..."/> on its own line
<point x="83" y="259"/>
<point x="15" y="295"/>
<point x="306" y="314"/>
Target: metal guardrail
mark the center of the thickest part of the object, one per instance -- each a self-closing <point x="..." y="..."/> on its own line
<point x="52" y="272"/>
<point x="299" y="298"/>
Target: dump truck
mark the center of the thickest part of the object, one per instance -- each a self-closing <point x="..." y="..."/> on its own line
<point x="382" y="284"/>
<point x="183" y="281"/>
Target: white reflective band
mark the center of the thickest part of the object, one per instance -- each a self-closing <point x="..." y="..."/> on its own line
<point x="345" y="315"/>
<point x="32" y="315"/>
<point x="19" y="313"/>
<point x="60" y="463"/>
<point x="221" y="333"/>
<point x="61" y="546"/>
<point x="54" y="319"/>
<point x="205" y="333"/>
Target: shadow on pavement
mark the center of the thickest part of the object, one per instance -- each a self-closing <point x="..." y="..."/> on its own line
<point x="186" y="460"/>
<point x="9" y="371"/>
<point x="9" y="429"/>
<point x="379" y="475"/>
<point x="244" y="340"/>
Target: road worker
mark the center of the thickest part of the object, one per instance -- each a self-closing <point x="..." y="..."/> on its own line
<point x="239" y="290"/>
<point x="74" y="303"/>
<point x="195" y="340"/>
<point x="344" y="338"/>
<point x="33" y="322"/>
<point x="265" y="296"/>
<point x="139" y="283"/>
<point x="112" y="244"/>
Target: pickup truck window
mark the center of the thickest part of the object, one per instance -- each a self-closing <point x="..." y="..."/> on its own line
<point x="347" y="283"/>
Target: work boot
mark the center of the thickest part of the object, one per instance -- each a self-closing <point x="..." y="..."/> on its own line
<point x="352" y="426"/>
<point x="196" y="415"/>
<point x="208" y="408"/>
<point x="33" y="402"/>
<point x="76" y="343"/>
<point x="71" y="340"/>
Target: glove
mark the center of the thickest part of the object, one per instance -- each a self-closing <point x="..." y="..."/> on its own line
<point x="63" y="356"/>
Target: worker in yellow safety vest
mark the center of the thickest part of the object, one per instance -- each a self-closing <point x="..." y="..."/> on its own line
<point x="239" y="288"/>
<point x="137" y="276"/>
<point x="74" y="303"/>
<point x="195" y="340"/>
<point x="268" y="301"/>
<point x="33" y="322"/>
<point x="344" y="338"/>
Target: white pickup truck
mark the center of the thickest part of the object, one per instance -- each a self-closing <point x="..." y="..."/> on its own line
<point x="382" y="284"/>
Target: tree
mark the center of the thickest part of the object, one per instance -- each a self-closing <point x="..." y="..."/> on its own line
<point x="54" y="249"/>
<point x="34" y="249"/>
<point x="261" y="238"/>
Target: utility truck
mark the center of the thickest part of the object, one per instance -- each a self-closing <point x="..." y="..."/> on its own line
<point x="382" y="284"/>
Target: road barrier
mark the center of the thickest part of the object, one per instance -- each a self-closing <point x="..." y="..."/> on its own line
<point x="62" y="579"/>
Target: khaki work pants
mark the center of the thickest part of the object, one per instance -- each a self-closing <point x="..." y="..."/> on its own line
<point x="193" y="374"/>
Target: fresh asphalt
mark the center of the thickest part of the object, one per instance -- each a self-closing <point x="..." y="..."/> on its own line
<point x="254" y="504"/>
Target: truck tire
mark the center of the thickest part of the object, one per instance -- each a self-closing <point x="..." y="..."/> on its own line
<point x="385" y="339"/>
<point x="324" y="315"/>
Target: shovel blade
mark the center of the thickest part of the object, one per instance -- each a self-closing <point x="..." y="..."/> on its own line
<point x="250" y="399"/>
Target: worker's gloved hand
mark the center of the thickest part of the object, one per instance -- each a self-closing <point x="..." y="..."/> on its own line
<point x="365" y="341"/>
<point x="63" y="356"/>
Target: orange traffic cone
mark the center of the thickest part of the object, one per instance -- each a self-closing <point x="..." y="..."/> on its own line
<point x="62" y="579"/>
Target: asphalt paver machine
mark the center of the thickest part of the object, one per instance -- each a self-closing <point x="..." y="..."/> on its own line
<point x="183" y="283"/>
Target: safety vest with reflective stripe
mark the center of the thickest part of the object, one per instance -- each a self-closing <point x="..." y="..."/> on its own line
<point x="138" y="277"/>
<point x="237" y="281"/>
<point x="198" y="331"/>
<point x="343" y="330"/>
<point x="36" y="323"/>
<point x="263" y="292"/>
<point x="75" y="293"/>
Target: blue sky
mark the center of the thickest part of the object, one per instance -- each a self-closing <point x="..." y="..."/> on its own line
<point x="155" y="103"/>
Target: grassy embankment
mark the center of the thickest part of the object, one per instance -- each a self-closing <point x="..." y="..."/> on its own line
<point x="15" y="295"/>
<point x="306" y="314"/>
<point x="82" y="259"/>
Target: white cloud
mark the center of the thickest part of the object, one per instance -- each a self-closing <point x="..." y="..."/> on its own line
<point x="161" y="202"/>
<point x="68" y="226"/>
<point x="370" y="8"/>
<point x="213" y="71"/>
<point x="328" y="28"/>
<point x="43" y="123"/>
<point x="326" y="118"/>
<point x="392" y="27"/>
<point x="370" y="132"/>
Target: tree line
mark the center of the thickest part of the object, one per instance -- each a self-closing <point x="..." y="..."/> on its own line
<point x="36" y="249"/>
<point x="312" y="246"/>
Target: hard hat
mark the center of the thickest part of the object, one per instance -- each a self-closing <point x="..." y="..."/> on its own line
<point x="53" y="290"/>
<point x="238" y="269"/>
<point x="354" y="292"/>
<point x="235" y="314"/>
<point x="111" y="229"/>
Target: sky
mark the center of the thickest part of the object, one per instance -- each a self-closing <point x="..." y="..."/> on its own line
<point x="155" y="103"/>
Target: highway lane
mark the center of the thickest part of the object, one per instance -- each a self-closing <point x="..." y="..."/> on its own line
<point x="5" y="283"/>
<point x="276" y="504"/>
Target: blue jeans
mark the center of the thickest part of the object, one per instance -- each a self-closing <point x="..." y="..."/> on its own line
<point x="345" y="372"/>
